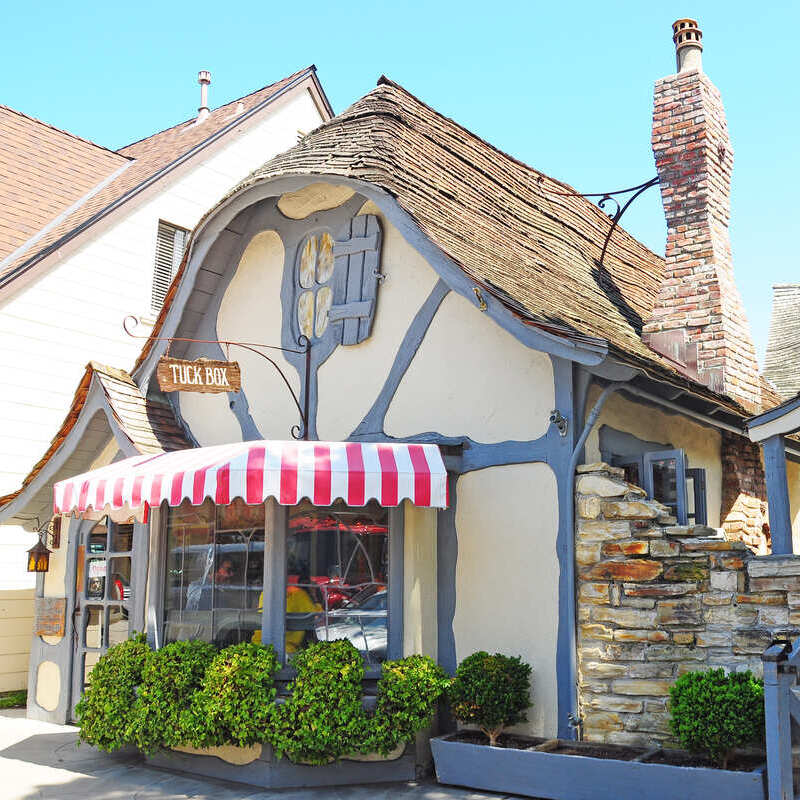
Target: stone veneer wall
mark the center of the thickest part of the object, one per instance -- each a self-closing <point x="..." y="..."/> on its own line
<point x="656" y="600"/>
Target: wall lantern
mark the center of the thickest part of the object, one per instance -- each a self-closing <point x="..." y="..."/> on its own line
<point x="39" y="554"/>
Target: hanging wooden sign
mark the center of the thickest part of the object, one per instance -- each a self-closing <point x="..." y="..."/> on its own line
<point x="203" y="375"/>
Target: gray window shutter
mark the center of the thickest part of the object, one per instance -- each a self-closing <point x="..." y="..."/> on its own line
<point x="170" y="244"/>
<point x="357" y="278"/>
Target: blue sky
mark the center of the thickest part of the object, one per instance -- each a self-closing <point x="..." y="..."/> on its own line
<point x="565" y="87"/>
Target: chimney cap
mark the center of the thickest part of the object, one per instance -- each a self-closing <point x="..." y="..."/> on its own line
<point x="686" y="33"/>
<point x="688" y="39"/>
<point x="204" y="76"/>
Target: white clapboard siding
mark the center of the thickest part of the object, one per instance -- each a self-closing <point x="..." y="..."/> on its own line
<point x="73" y="313"/>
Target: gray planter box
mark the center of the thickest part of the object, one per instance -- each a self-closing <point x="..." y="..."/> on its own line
<point x="541" y="774"/>
<point x="271" y="773"/>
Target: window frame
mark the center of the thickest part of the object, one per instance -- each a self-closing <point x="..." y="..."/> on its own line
<point x="698" y="476"/>
<point x="680" y="477"/>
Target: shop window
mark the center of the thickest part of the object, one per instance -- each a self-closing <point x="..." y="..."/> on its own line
<point x="289" y="576"/>
<point x="215" y="572"/>
<point x="337" y="573"/>
<point x="170" y="244"/>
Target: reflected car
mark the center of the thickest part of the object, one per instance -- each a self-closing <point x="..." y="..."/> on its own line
<point x="362" y="622"/>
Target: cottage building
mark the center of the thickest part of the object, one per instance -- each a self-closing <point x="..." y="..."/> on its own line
<point x="88" y="236"/>
<point x="451" y="333"/>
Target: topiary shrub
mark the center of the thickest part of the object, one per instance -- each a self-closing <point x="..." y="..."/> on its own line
<point x="714" y="712"/>
<point x="104" y="713"/>
<point x="170" y="677"/>
<point x="236" y="700"/>
<point x="322" y="719"/>
<point x="408" y="691"/>
<point x="490" y="691"/>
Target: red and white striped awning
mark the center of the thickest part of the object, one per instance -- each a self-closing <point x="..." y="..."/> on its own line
<point x="288" y="471"/>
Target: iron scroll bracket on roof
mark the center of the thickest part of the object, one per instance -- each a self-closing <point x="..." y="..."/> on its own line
<point x="611" y="197"/>
<point x="304" y="344"/>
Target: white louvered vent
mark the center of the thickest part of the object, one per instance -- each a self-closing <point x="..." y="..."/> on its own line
<point x="170" y="243"/>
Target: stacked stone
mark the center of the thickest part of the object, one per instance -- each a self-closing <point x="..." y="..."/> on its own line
<point x="656" y="600"/>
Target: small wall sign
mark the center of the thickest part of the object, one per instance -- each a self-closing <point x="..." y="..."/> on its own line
<point x="203" y="375"/>
<point x="50" y="614"/>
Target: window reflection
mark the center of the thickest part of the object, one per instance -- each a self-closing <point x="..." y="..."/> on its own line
<point x="665" y="483"/>
<point x="336" y="571"/>
<point x="215" y="568"/>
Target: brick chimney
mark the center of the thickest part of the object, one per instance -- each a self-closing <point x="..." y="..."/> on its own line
<point x="698" y="319"/>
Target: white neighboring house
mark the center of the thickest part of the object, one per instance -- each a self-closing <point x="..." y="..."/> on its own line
<point x="87" y="237"/>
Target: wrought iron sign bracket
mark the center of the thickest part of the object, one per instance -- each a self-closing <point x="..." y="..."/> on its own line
<point x="304" y="344"/>
<point x="611" y="197"/>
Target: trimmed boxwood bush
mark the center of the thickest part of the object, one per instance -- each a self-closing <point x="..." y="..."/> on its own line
<point x="236" y="699"/>
<point x="322" y="719"/>
<point x="104" y="711"/>
<point x="188" y="693"/>
<point x="491" y="691"/>
<point x="715" y="712"/>
<point x="408" y="692"/>
<point x="170" y="677"/>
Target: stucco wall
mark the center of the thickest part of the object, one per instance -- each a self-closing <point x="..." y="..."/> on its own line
<point x="701" y="443"/>
<point x="471" y="377"/>
<point x="507" y="575"/>
<point x="419" y="581"/>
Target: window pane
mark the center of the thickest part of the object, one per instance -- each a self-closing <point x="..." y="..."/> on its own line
<point x="96" y="569"/>
<point x="665" y="483"/>
<point x="337" y="570"/>
<point x="308" y="263"/>
<point x="325" y="259"/>
<point x="121" y="538"/>
<point x="119" y="579"/>
<point x="116" y="625"/>
<point x="215" y="574"/>
<point x="190" y="552"/>
<point x="93" y="633"/>
<point x="90" y="659"/>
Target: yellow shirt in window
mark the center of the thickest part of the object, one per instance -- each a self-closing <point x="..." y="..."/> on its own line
<point x="298" y="601"/>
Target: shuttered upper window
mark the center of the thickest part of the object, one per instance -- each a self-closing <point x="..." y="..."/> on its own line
<point x="170" y="243"/>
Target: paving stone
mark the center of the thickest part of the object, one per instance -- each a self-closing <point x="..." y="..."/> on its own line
<point x="628" y="509"/>
<point x="625" y="617"/>
<point x="634" y="569"/>
<point x="641" y="686"/>
<point x="601" y="486"/>
<point x="685" y="571"/>
<point x="603" y="530"/>
<point x="658" y="589"/>
<point x="724" y="581"/>
<point x="685" y="611"/>
<point x="772" y="566"/>
<point x="636" y="547"/>
<point x="610" y="702"/>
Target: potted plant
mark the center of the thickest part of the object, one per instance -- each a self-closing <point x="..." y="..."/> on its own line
<point x="712" y="713"/>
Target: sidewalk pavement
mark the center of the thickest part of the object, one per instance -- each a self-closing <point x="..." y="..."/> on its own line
<point x="40" y="761"/>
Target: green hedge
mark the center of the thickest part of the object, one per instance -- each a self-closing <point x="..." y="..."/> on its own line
<point x="715" y="712"/>
<point x="188" y="693"/>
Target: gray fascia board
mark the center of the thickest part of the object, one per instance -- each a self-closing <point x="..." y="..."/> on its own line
<point x="448" y="270"/>
<point x="103" y="212"/>
<point x="96" y="400"/>
<point x="773" y="414"/>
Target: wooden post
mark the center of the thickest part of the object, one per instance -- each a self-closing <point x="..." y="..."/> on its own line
<point x="780" y="524"/>
<point x="777" y="686"/>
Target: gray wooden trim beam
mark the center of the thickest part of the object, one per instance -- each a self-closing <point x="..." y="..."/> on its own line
<point x="394" y="645"/>
<point x="780" y="520"/>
